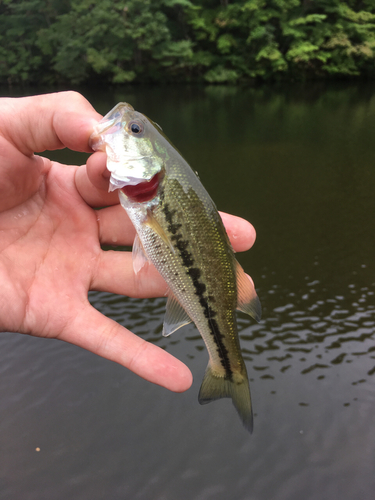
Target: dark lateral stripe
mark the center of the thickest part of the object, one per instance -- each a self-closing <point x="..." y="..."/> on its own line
<point x="200" y="288"/>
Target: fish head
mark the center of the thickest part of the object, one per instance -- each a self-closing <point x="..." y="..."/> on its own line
<point x="135" y="149"/>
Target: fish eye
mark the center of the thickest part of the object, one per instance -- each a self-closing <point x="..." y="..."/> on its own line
<point x="135" y="128"/>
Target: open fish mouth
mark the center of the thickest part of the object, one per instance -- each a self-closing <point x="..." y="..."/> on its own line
<point x="142" y="191"/>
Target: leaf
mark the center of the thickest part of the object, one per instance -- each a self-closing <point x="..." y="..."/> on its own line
<point x="219" y="74"/>
<point x="302" y="51"/>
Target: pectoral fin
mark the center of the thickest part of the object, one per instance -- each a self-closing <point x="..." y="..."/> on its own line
<point x="175" y="316"/>
<point x="152" y="223"/>
<point x="138" y="254"/>
<point x="248" y="301"/>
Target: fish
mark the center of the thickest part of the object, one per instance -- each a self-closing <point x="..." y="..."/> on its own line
<point x="179" y="230"/>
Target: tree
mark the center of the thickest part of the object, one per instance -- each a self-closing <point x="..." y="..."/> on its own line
<point x="217" y="41"/>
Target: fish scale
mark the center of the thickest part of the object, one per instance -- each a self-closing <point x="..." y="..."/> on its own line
<point x="180" y="231"/>
<point x="203" y="290"/>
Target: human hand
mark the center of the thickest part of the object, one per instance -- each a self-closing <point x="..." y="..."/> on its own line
<point x="51" y="237"/>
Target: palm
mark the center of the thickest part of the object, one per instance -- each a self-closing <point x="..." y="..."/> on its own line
<point x="50" y="250"/>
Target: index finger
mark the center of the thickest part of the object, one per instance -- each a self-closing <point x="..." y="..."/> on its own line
<point x="93" y="331"/>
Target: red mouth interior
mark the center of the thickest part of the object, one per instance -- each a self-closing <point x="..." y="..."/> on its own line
<point x="143" y="191"/>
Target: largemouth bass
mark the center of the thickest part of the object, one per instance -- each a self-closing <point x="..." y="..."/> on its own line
<point x="180" y="231"/>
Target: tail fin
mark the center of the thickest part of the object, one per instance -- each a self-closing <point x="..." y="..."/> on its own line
<point x="216" y="387"/>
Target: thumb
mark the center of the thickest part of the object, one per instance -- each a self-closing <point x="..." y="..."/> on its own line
<point x="48" y="122"/>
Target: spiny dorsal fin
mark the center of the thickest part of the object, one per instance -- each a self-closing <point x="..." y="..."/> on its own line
<point x="175" y="316"/>
<point x="248" y="301"/>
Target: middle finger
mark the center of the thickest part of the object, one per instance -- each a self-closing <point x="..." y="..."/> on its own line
<point x="115" y="227"/>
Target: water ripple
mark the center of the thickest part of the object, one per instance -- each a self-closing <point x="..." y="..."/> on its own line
<point x="326" y="330"/>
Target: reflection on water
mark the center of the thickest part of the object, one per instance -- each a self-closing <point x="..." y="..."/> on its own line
<point x="298" y="163"/>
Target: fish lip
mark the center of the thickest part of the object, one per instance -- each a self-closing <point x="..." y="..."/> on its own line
<point x="143" y="191"/>
<point x="121" y="181"/>
<point x="118" y="182"/>
<point x="130" y="169"/>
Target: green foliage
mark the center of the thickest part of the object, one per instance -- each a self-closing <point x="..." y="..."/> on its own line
<point x="218" y="41"/>
<point x="20" y="21"/>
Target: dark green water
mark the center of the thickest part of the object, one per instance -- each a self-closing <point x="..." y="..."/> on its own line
<point x="299" y="163"/>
